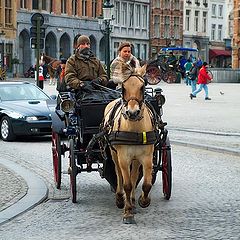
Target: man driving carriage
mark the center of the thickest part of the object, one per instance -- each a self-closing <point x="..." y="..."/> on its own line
<point x="83" y="68"/>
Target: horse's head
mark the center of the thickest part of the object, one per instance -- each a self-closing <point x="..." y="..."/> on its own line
<point x="133" y="90"/>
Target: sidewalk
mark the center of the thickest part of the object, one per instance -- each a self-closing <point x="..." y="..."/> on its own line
<point x="218" y="117"/>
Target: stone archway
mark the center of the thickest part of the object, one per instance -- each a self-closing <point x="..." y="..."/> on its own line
<point x="51" y="45"/>
<point x="24" y="52"/>
<point x="102" y="52"/>
<point x="64" y="49"/>
<point x="93" y="44"/>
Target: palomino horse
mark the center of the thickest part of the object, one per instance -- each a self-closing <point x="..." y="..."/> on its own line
<point x="52" y="67"/>
<point x="132" y="134"/>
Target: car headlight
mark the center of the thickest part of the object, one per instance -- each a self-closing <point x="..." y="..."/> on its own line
<point x="32" y="118"/>
<point x="67" y="105"/>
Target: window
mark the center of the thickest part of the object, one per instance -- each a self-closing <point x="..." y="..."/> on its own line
<point x="63" y="6"/>
<point x="166" y="4"/>
<point x="138" y="51"/>
<point x="166" y="33"/>
<point x="220" y="32"/>
<point x="23" y="3"/>
<point x="187" y="20"/>
<point x="213" y="31"/>
<point x="156" y="26"/>
<point x="204" y="26"/>
<point x="138" y="15"/>
<point x="196" y="21"/>
<point x="117" y="12"/>
<point x="214" y="10"/>
<point x="94" y="8"/>
<point x="124" y="14"/>
<point x="176" y="27"/>
<point x="145" y="17"/>
<point x="74" y="7"/>
<point x="44" y="5"/>
<point x="176" y="4"/>
<point x="220" y="11"/>
<point x="157" y="4"/>
<point x="131" y="15"/>
<point x="84" y="7"/>
<point x="34" y="4"/>
<point x="8" y="11"/>
<point x="144" y="52"/>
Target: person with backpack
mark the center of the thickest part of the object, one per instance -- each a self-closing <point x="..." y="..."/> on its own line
<point x="192" y="76"/>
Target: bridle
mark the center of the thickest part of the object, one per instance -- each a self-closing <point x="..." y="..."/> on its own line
<point x="140" y="102"/>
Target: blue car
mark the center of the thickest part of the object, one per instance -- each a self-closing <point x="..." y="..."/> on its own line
<point x="23" y="110"/>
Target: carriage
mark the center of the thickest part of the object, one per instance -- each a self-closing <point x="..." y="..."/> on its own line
<point x="77" y="133"/>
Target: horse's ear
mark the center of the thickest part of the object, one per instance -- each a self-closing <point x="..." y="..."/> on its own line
<point x="142" y="70"/>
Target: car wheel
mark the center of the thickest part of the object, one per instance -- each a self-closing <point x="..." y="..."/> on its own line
<point x="6" y="129"/>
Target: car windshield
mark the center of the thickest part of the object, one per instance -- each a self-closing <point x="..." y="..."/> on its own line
<point x="13" y="92"/>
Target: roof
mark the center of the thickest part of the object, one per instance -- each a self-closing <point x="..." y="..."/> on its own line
<point x="179" y="49"/>
<point x="219" y="52"/>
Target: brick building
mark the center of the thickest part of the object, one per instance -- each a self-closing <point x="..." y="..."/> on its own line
<point x="236" y="35"/>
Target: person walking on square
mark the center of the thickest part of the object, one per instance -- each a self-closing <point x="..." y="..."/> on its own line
<point x="192" y="76"/>
<point x="203" y="78"/>
<point x="188" y="65"/>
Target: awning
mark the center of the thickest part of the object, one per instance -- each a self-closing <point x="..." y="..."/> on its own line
<point x="219" y="52"/>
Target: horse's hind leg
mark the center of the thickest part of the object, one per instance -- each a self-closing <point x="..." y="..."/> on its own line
<point x="144" y="199"/>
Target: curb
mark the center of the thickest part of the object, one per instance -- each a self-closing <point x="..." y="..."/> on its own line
<point x="207" y="147"/>
<point x="37" y="192"/>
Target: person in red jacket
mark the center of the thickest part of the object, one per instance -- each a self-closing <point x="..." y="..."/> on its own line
<point x="202" y="82"/>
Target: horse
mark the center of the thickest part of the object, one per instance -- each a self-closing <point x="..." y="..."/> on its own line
<point x="52" y="67"/>
<point x="131" y="135"/>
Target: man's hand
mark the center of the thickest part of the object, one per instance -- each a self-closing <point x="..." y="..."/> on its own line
<point x="96" y="81"/>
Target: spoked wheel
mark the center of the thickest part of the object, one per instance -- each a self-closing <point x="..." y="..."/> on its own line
<point x="156" y="165"/>
<point x="73" y="171"/>
<point x="6" y="129"/>
<point x="166" y="170"/>
<point x="170" y="76"/>
<point x="57" y="161"/>
<point x="153" y="75"/>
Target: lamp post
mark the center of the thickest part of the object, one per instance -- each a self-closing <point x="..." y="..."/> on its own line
<point x="2" y="34"/>
<point x="106" y="28"/>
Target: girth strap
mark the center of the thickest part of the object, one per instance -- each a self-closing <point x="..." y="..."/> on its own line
<point x="133" y="138"/>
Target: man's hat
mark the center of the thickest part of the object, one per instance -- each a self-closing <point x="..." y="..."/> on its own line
<point x="83" y="39"/>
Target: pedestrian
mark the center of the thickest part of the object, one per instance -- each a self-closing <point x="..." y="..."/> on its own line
<point x="123" y="65"/>
<point x="40" y="77"/>
<point x="192" y="76"/>
<point x="187" y="66"/>
<point x="83" y="69"/>
<point x="202" y="82"/>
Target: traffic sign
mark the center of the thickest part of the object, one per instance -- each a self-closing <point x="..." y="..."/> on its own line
<point x="35" y="17"/>
<point x="33" y="42"/>
<point x="33" y="32"/>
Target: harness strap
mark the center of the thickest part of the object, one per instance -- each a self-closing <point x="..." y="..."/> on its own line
<point x="133" y="138"/>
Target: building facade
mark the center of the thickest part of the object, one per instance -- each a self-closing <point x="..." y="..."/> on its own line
<point x="166" y="25"/>
<point x="8" y="26"/>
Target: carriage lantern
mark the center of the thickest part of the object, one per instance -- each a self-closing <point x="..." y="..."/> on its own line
<point x="106" y="28"/>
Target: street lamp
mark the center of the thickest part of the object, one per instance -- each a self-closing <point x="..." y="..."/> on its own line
<point x="2" y="33"/>
<point x="106" y="28"/>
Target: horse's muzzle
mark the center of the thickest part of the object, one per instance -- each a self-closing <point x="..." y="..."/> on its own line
<point x="133" y="115"/>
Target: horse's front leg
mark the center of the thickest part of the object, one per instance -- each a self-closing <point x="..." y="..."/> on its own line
<point x="119" y="190"/>
<point x="128" y="216"/>
<point x="144" y="199"/>
<point x="134" y="179"/>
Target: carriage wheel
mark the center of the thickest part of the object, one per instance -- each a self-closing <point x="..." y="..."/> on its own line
<point x="73" y="171"/>
<point x="153" y="75"/>
<point x="170" y="76"/>
<point x="57" y="161"/>
<point x="156" y="165"/>
<point x="166" y="171"/>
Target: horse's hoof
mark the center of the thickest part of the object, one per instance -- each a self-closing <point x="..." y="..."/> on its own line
<point x="145" y="203"/>
<point x="129" y="220"/>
